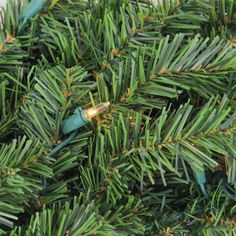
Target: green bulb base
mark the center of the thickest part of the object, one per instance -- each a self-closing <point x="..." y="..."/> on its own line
<point x="74" y="122"/>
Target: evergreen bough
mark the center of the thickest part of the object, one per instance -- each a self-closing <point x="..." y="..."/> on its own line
<point x="169" y="72"/>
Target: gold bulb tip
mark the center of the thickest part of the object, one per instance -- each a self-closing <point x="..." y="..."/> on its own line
<point x="96" y="110"/>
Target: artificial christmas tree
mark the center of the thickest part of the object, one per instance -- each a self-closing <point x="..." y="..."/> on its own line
<point x="159" y="159"/>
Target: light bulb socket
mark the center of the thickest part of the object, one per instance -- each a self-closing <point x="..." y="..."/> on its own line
<point x="77" y="120"/>
<point x="31" y="9"/>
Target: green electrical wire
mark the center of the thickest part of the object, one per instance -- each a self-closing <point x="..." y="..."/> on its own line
<point x="202" y="186"/>
<point x="200" y="177"/>
<point x="63" y="144"/>
<point x="57" y="149"/>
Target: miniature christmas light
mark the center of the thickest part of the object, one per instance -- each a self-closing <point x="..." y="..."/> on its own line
<point x="78" y="119"/>
<point x="82" y="117"/>
<point x="31" y="9"/>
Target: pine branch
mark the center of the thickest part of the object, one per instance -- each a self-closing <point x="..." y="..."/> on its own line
<point x="135" y="168"/>
<point x="79" y="217"/>
<point x="11" y="54"/>
<point x="173" y="70"/>
<point x="199" y="141"/>
<point x="53" y="93"/>
<point x="22" y="164"/>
